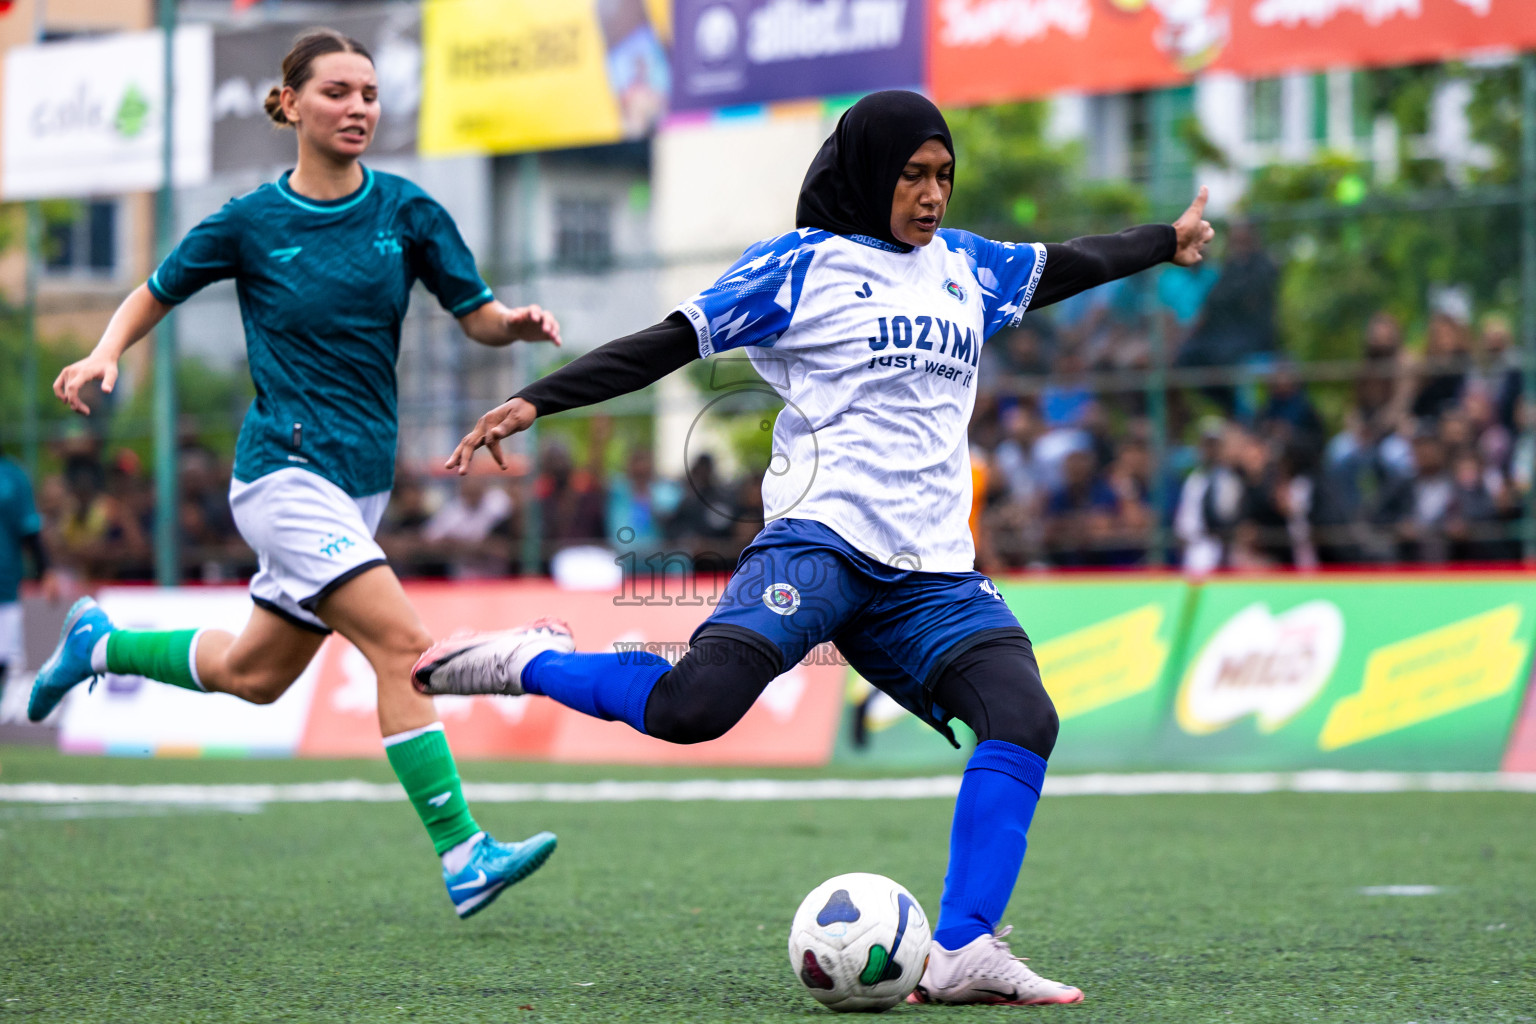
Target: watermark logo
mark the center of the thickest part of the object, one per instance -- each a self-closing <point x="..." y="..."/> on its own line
<point x="781" y="598"/>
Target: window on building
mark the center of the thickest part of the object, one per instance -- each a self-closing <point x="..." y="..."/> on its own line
<point x="584" y="232"/>
<point x="1140" y="126"/>
<point x="1264" y="110"/>
<point x="84" y="241"/>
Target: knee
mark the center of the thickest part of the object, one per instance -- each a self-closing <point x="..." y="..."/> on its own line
<point x="687" y="723"/>
<point x="259" y="686"/>
<point x="400" y="647"/>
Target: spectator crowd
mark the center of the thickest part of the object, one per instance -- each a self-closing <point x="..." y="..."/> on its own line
<point x="1420" y="453"/>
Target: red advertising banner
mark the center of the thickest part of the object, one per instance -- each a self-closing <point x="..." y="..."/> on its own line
<point x="1274" y="36"/>
<point x="792" y="723"/>
<point x="989" y="50"/>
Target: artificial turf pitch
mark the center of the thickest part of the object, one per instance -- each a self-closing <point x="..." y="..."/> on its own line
<point x="1165" y="908"/>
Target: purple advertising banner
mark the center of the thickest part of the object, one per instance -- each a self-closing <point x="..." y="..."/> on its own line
<point x="736" y="52"/>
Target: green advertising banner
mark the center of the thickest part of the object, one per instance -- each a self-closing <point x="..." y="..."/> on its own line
<point x="1106" y="650"/>
<point x="1411" y="674"/>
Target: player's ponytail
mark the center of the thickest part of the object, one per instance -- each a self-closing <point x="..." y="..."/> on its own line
<point x="299" y="65"/>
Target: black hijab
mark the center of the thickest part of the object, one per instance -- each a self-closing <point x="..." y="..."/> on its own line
<point x="849" y="186"/>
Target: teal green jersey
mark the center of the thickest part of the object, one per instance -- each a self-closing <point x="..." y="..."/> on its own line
<point x="18" y="519"/>
<point x="323" y="290"/>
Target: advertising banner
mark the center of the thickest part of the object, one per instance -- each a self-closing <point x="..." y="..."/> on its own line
<point x="735" y="52"/>
<point x="88" y="118"/>
<point x="991" y="50"/>
<point x="1352" y="674"/>
<point x="333" y="709"/>
<point x="506" y="76"/>
<point x="1107" y="652"/>
<point x="247" y="63"/>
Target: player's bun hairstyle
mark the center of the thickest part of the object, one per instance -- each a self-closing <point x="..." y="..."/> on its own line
<point x="299" y="65"/>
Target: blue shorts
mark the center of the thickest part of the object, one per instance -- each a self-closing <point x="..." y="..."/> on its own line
<point x="799" y="584"/>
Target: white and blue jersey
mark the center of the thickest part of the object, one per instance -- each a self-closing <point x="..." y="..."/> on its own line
<point x="874" y="351"/>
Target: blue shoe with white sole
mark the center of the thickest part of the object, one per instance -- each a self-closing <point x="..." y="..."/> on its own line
<point x="70" y="663"/>
<point x="492" y="867"/>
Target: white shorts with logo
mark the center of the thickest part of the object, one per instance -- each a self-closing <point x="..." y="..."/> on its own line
<point x="310" y="537"/>
<point x="13" y="653"/>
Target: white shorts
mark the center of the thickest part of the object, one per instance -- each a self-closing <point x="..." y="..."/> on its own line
<point x="13" y="652"/>
<point x="309" y="536"/>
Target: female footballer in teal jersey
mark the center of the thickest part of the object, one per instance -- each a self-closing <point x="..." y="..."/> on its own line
<point x="324" y="259"/>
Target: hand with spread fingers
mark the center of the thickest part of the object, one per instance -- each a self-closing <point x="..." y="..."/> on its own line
<point x="96" y="366"/>
<point x="490" y="430"/>
<point x="532" y="323"/>
<point x="1194" y="231"/>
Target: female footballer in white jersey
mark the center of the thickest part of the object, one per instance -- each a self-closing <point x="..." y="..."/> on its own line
<point x="324" y="260"/>
<point x="868" y="321"/>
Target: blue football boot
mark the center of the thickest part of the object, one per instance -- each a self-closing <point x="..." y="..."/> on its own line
<point x="70" y="662"/>
<point x="492" y="867"/>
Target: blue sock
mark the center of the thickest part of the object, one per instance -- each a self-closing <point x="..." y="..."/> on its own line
<point x="614" y="687"/>
<point x="987" y="840"/>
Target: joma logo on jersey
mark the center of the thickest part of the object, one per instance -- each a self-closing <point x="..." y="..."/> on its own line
<point x="334" y="545"/>
<point x="386" y="243"/>
<point x="922" y="332"/>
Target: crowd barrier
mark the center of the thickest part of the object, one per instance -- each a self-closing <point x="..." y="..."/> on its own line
<point x="1382" y="671"/>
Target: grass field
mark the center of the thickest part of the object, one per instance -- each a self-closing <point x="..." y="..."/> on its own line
<point x="1169" y="908"/>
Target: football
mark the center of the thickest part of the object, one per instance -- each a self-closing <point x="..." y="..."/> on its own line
<point x="859" y="942"/>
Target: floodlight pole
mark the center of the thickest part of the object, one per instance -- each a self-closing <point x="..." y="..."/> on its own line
<point x="167" y="493"/>
<point x="1528" y="275"/>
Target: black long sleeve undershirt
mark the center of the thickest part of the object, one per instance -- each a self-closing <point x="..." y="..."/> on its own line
<point x="630" y="363"/>
<point x="623" y="365"/>
<point x="1087" y="262"/>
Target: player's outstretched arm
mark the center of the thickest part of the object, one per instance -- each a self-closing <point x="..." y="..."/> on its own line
<point x="496" y="325"/>
<point x="136" y="317"/>
<point x="617" y="368"/>
<point x="1083" y="263"/>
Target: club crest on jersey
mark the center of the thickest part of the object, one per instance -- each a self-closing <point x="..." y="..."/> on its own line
<point x="954" y="289"/>
<point x="782" y="599"/>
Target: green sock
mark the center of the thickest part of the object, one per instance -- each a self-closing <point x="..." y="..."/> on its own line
<point x="425" y="767"/>
<point x="163" y="656"/>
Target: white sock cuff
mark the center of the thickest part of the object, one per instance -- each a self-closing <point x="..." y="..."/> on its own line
<point x="192" y="660"/>
<point x="99" y="655"/>
<point x="410" y="734"/>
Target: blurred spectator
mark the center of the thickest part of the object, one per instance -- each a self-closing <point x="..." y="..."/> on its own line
<point x="1208" y="499"/>
<point x="1288" y="416"/>
<point x="1066" y="399"/>
<point x="1181" y="291"/>
<point x="1497" y="372"/>
<point x="21" y="541"/>
<point x="1082" y="515"/>
<point x="703" y="523"/>
<point x="746" y="511"/>
<point x="572" y="503"/>
<point x="466" y="532"/>
<point x="400" y="531"/>
<point x="1420" y="511"/>
<point x="1238" y="320"/>
<point x="640" y="505"/>
<point x="1017" y="473"/>
<point x="1443" y="372"/>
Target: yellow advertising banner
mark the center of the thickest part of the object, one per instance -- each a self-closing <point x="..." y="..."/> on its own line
<point x="506" y="76"/>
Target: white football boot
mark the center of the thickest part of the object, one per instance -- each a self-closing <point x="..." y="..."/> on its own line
<point x="488" y="663"/>
<point x="986" y="971"/>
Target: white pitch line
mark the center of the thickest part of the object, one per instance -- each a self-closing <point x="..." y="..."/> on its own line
<point x="738" y="790"/>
